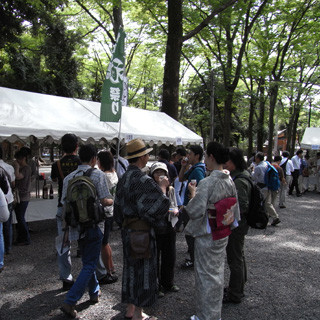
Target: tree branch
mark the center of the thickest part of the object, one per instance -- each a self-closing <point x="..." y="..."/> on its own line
<point x="96" y="20"/>
<point x="206" y="21"/>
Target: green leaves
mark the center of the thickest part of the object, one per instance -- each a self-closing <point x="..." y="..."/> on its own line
<point x="64" y="47"/>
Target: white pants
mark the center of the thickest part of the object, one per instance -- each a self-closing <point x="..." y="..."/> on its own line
<point x="283" y="191"/>
<point x="270" y="200"/>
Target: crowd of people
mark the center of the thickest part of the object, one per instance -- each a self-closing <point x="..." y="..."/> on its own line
<point x="15" y="186"/>
<point x="204" y="193"/>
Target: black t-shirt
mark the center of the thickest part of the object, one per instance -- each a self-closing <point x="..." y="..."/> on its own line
<point x="68" y="164"/>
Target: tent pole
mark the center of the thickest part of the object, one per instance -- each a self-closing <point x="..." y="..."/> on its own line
<point x="118" y="144"/>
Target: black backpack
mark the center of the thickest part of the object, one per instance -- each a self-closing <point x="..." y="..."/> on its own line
<point x="256" y="216"/>
<point x="82" y="207"/>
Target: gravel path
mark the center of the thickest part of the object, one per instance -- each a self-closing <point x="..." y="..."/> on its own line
<point x="283" y="275"/>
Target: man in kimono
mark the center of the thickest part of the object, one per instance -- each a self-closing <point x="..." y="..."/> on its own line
<point x="140" y="204"/>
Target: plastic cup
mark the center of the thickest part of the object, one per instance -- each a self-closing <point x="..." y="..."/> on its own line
<point x="193" y="182"/>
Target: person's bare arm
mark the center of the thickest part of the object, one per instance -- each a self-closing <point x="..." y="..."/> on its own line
<point x="17" y="172"/>
<point x="106" y="202"/>
<point x="184" y="168"/>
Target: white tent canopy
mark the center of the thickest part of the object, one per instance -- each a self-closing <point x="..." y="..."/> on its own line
<point x="25" y="114"/>
<point x="311" y="139"/>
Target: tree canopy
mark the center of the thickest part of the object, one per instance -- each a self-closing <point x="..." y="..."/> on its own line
<point x="237" y="70"/>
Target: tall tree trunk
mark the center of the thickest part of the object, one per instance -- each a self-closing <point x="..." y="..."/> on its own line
<point x="250" y="127"/>
<point x="295" y="117"/>
<point x="170" y="95"/>
<point x="117" y="16"/>
<point x="260" y="120"/>
<point x="290" y="129"/>
<point x="227" y="119"/>
<point x="273" y="100"/>
<point x="294" y="129"/>
<point x="250" y="132"/>
<point x="294" y="123"/>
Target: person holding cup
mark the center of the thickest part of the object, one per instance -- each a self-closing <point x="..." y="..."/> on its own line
<point x="213" y="209"/>
<point x="165" y="234"/>
<point x="192" y="169"/>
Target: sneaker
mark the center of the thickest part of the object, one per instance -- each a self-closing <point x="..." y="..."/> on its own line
<point x="95" y="299"/>
<point x="108" y="279"/>
<point x="67" y="284"/>
<point x="282" y="207"/>
<point x="188" y="264"/>
<point x="68" y="310"/>
<point x="160" y="294"/>
<point x="174" y="288"/>
<point x="275" y="222"/>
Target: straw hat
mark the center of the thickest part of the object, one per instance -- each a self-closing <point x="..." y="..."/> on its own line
<point x="157" y="166"/>
<point x="136" y="148"/>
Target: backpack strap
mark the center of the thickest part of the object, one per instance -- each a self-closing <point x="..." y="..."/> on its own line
<point x="248" y="179"/>
<point x="284" y="167"/>
<point x="245" y="177"/>
<point x="181" y="188"/>
<point x="89" y="172"/>
<point x="122" y="164"/>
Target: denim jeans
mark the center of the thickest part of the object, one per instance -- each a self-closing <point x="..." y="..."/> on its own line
<point x="1" y="246"/>
<point x="64" y="261"/>
<point x="7" y="231"/>
<point x="90" y="247"/>
<point x="22" y="227"/>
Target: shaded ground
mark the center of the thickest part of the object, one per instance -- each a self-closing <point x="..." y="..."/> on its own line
<point x="283" y="275"/>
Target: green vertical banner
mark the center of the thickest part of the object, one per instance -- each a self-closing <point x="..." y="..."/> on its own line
<point x="114" y="91"/>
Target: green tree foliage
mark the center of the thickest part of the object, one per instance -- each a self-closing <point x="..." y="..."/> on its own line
<point x="264" y="56"/>
<point x="39" y="54"/>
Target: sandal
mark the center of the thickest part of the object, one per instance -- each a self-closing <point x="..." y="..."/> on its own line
<point x="188" y="264"/>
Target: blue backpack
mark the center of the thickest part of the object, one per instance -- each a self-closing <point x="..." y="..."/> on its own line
<point x="271" y="178"/>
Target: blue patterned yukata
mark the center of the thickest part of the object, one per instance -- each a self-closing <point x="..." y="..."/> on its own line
<point x="138" y="197"/>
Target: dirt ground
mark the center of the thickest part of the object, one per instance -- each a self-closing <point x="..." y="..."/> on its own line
<point x="283" y="275"/>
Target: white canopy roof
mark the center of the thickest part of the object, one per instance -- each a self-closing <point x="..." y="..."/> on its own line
<point x="25" y="114"/>
<point x="311" y="139"/>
